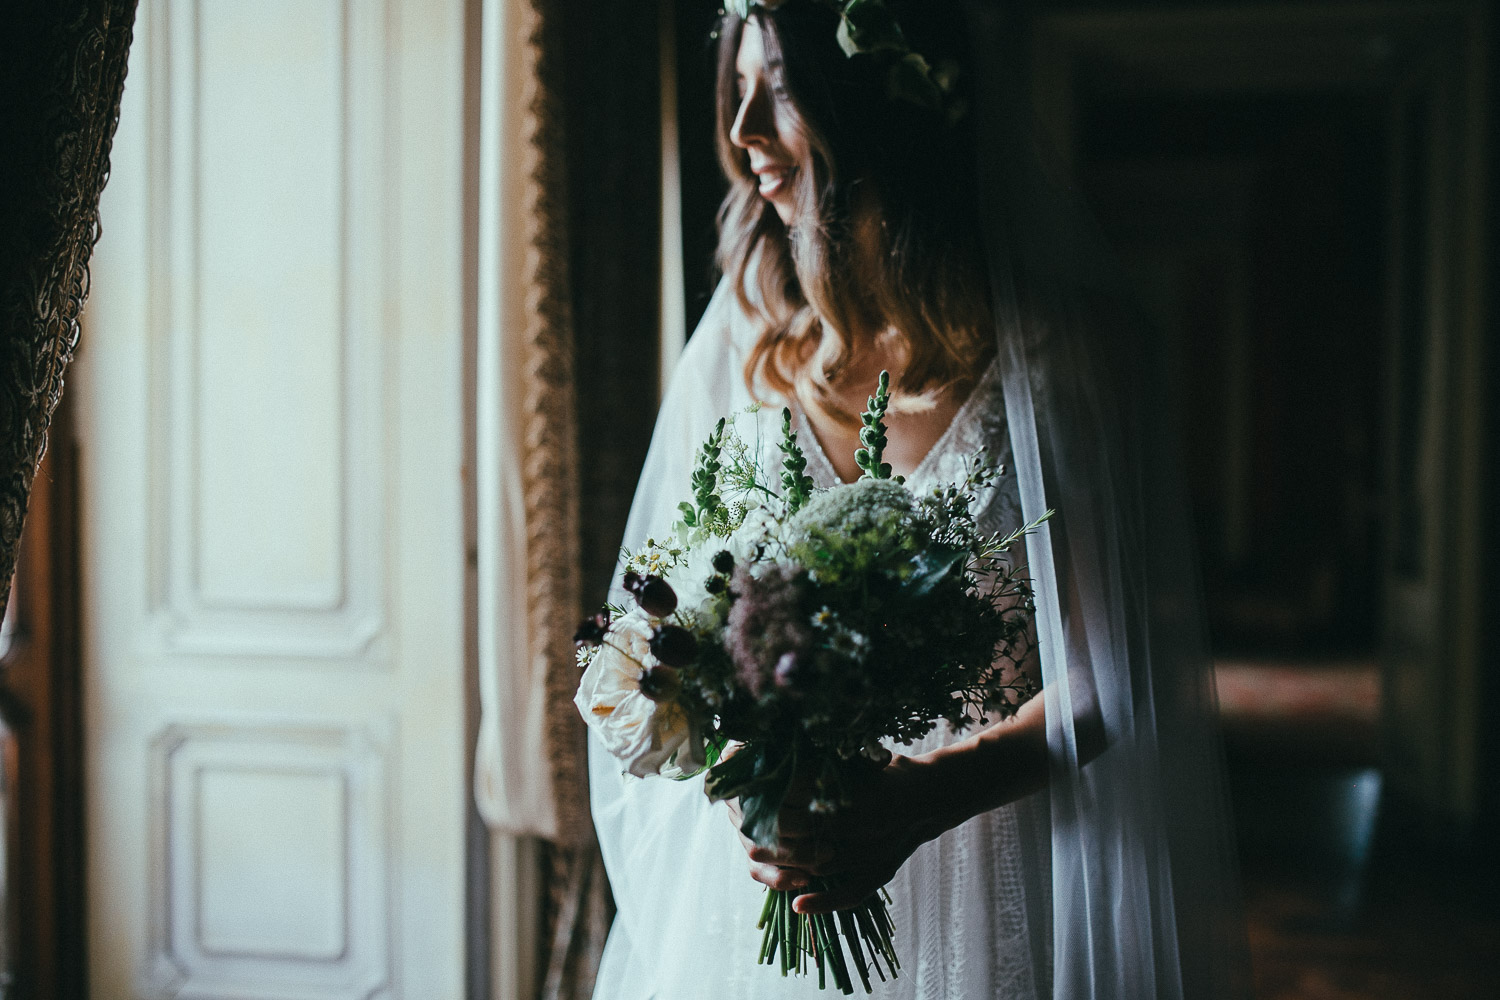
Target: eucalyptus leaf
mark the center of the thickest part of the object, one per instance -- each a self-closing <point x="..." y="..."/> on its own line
<point x="761" y="803"/>
<point x="911" y="81"/>
<point x="869" y="26"/>
<point x="713" y="752"/>
<point x="758" y="775"/>
<point x="846" y="40"/>
<point x="932" y="566"/>
<point x="761" y="812"/>
<point x="945" y="74"/>
<point x="730" y="776"/>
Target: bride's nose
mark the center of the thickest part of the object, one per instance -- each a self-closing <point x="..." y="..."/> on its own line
<point x="755" y="123"/>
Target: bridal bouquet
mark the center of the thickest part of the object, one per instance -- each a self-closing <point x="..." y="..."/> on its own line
<point x="784" y="631"/>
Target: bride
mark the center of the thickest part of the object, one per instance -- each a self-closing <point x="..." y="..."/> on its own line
<point x="882" y="215"/>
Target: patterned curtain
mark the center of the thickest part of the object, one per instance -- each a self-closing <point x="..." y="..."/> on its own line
<point x="530" y="767"/>
<point x="608" y="85"/>
<point x="64" y="71"/>
<point x="572" y="367"/>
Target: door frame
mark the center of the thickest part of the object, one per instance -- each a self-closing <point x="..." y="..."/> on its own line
<point x="43" y="885"/>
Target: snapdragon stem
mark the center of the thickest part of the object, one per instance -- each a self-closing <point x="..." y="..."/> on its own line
<point x="851" y="935"/>
<point x="767" y="921"/>
<point x="765" y="911"/>
<point x="866" y="930"/>
<point x="788" y="938"/>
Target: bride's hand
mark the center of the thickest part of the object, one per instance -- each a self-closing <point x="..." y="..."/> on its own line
<point x="894" y="809"/>
<point x="779" y="877"/>
<point x="782" y="877"/>
<point x="857" y="849"/>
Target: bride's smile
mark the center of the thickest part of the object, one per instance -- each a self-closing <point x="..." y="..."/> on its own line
<point x="766" y="126"/>
<point x="774" y="179"/>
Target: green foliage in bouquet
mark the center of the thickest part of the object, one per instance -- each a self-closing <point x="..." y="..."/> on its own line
<point x="872" y="434"/>
<point x="783" y="638"/>
<point x="796" y="484"/>
<point x="709" y="510"/>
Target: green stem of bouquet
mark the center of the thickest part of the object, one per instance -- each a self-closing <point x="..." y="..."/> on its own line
<point x="790" y="939"/>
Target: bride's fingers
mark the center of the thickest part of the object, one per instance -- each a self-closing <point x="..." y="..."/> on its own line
<point x="796" y="854"/>
<point x="846" y="896"/>
<point x="780" y="879"/>
<point x="793" y="823"/>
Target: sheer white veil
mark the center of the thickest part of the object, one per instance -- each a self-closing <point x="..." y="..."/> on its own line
<point x="1144" y="879"/>
<point x="1132" y="881"/>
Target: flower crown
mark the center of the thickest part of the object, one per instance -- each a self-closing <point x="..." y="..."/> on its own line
<point x="867" y="27"/>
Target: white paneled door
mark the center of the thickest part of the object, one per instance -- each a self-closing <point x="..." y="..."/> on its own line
<point x="271" y="398"/>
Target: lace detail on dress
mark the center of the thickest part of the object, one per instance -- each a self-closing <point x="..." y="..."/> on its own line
<point x="979" y="423"/>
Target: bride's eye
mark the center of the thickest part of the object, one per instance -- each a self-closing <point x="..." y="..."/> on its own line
<point x="777" y="80"/>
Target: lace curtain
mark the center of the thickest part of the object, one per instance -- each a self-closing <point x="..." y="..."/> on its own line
<point x="64" y="71"/>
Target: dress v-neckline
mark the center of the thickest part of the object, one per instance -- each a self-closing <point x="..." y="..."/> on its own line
<point x="824" y="465"/>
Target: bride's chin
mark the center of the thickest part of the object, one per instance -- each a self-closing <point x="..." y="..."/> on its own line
<point x="786" y="209"/>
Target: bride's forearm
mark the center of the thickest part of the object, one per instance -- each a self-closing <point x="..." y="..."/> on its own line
<point x="993" y="767"/>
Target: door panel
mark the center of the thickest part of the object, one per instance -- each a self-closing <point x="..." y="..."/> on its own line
<point x="271" y="393"/>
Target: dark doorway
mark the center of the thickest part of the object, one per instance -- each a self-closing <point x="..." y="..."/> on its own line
<point x="1282" y="184"/>
<point x="1254" y="225"/>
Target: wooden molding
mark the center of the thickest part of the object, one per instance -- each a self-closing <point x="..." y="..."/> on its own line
<point x="42" y="740"/>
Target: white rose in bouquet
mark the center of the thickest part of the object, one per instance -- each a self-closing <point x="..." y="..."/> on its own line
<point x="643" y="733"/>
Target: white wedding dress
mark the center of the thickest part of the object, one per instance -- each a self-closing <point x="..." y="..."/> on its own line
<point x="965" y="905"/>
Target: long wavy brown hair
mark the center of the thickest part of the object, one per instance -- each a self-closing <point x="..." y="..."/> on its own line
<point x="885" y="242"/>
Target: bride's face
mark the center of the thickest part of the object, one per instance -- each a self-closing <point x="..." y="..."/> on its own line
<point x="767" y="127"/>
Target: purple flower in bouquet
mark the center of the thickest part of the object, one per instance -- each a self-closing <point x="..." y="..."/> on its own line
<point x="766" y="622"/>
